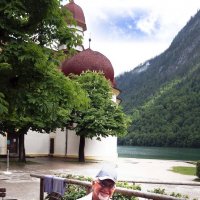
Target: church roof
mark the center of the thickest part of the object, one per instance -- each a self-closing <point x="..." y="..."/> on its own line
<point x="77" y="13"/>
<point x="89" y="60"/>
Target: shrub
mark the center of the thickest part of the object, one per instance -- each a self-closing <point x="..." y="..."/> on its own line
<point x="158" y="191"/>
<point x="118" y="196"/>
<point x="74" y="192"/>
<point x="198" y="169"/>
<point x="162" y="191"/>
<point x="173" y="194"/>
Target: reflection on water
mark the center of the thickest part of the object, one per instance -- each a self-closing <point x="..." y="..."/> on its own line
<point x="167" y="153"/>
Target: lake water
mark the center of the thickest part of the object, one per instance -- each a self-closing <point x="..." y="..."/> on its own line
<point x="165" y="153"/>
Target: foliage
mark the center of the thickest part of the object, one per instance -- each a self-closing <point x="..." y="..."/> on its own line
<point x="158" y="191"/>
<point x="184" y="170"/>
<point x="162" y="95"/>
<point x="162" y="191"/>
<point x="103" y="117"/>
<point x="34" y="94"/>
<point x="198" y="169"/>
<point x="118" y="196"/>
<point x="173" y="194"/>
<point x="170" y="117"/>
<point x="74" y="192"/>
<point x="3" y="105"/>
<point x="41" y="22"/>
<point x="35" y="89"/>
<point x="127" y="186"/>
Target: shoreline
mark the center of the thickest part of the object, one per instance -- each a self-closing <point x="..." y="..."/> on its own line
<point x="163" y="153"/>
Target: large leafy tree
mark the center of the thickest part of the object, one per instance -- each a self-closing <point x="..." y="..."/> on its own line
<point x="103" y="117"/>
<point x="34" y="94"/>
<point x="3" y="105"/>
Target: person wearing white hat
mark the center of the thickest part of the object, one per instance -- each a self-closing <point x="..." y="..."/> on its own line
<point x="103" y="186"/>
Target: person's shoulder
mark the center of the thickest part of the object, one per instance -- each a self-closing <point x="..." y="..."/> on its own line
<point x="87" y="197"/>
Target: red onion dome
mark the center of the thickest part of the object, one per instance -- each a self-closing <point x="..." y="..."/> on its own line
<point x="77" y="13"/>
<point x="88" y="60"/>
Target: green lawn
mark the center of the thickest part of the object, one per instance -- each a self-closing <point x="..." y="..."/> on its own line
<point x="184" y="170"/>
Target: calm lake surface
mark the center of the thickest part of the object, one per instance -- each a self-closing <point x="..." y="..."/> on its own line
<point x="165" y="153"/>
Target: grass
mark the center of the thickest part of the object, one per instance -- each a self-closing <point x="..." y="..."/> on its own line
<point x="184" y="170"/>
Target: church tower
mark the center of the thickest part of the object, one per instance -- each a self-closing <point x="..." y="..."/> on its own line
<point x="79" y="17"/>
<point x="85" y="60"/>
<point x="65" y="143"/>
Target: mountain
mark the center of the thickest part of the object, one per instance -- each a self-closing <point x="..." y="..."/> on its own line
<point x="163" y="94"/>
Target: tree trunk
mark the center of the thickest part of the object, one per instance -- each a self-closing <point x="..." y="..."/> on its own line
<point x="22" y="155"/>
<point x="82" y="149"/>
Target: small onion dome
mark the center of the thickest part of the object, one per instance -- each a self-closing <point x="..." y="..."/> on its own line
<point x="89" y="60"/>
<point x="77" y="13"/>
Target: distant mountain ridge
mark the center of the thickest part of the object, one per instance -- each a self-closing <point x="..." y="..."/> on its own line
<point x="177" y="69"/>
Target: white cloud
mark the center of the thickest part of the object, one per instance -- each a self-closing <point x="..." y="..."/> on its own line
<point x="129" y="32"/>
<point x="147" y="24"/>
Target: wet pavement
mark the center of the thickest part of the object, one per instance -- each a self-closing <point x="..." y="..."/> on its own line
<point x="22" y="186"/>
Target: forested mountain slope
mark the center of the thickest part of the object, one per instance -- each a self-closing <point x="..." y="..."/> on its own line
<point x="163" y="94"/>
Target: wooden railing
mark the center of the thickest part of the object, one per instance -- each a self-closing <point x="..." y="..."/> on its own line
<point x="162" y="182"/>
<point x="120" y="190"/>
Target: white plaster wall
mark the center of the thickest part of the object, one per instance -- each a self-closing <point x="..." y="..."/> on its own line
<point x="104" y="149"/>
<point x="72" y="143"/>
<point x="37" y="143"/>
<point x="3" y="145"/>
<point x="94" y="149"/>
<point x="63" y="46"/>
<point x="59" y="142"/>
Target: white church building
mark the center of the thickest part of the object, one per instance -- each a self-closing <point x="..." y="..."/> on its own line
<point x="66" y="143"/>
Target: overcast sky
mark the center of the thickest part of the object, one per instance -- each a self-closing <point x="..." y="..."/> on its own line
<point x="129" y="32"/>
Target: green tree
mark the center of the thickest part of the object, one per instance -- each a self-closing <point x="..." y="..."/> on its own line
<point x="3" y="104"/>
<point x="34" y="94"/>
<point x="103" y="117"/>
<point x="171" y="117"/>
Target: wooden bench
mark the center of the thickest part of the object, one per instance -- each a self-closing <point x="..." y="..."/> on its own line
<point x="3" y="194"/>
